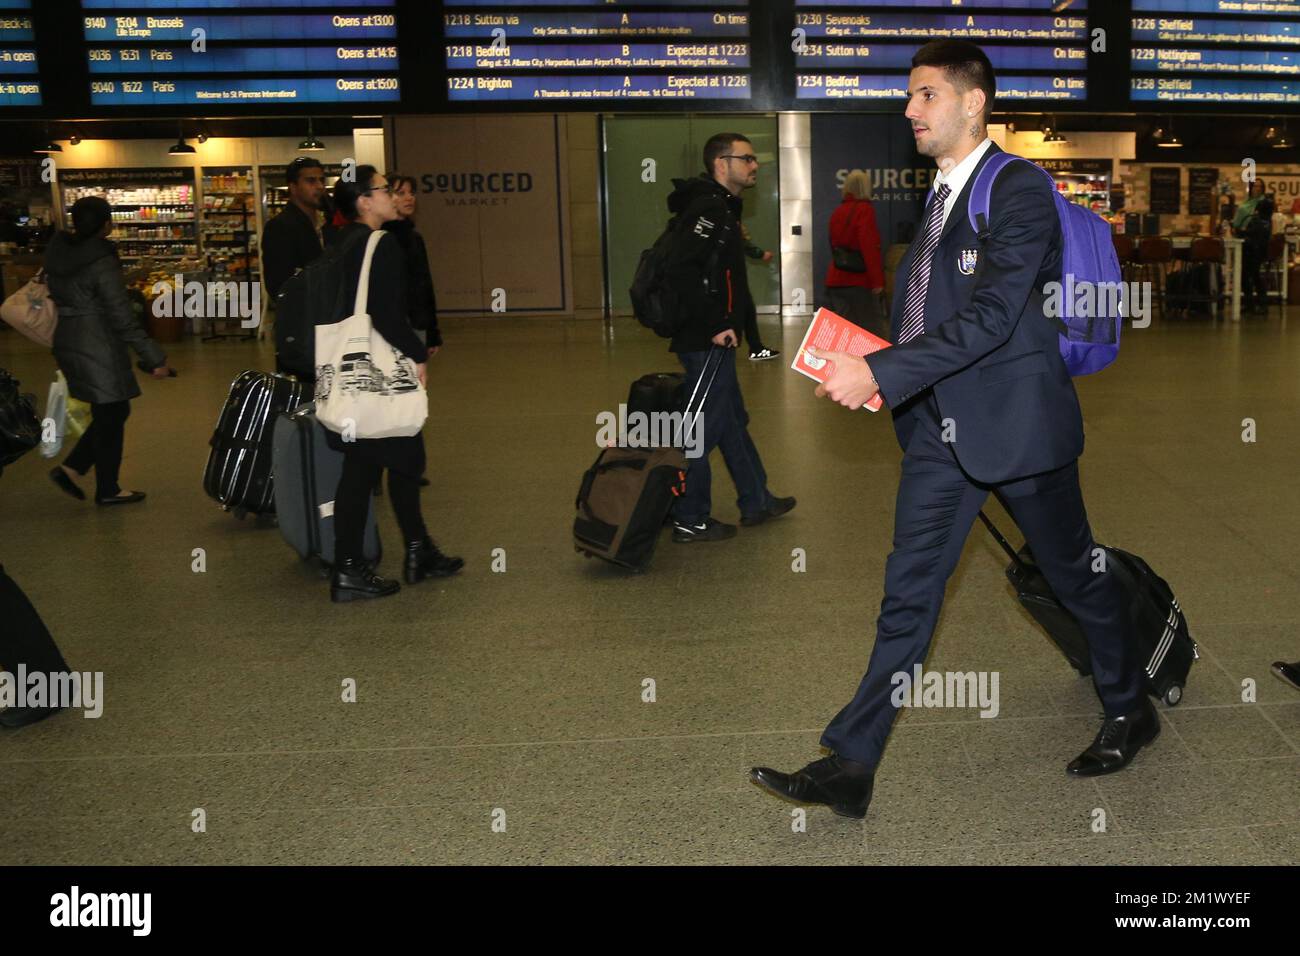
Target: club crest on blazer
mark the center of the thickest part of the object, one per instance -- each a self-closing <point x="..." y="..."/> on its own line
<point x="967" y="260"/>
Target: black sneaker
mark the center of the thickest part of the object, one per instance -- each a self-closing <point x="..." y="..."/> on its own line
<point x="763" y="355"/>
<point x="775" y="508"/>
<point x="710" y="529"/>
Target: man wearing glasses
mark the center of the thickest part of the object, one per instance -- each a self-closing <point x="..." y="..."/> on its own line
<point x="706" y="272"/>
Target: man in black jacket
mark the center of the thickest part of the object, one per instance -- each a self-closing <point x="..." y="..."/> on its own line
<point x="292" y="239"/>
<point x="706" y="271"/>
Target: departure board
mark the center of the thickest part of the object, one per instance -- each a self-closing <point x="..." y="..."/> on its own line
<point x="618" y="52"/>
<point x="1215" y="52"/>
<point x="145" y="53"/>
<point x="848" y="51"/>
<point x="20" y="83"/>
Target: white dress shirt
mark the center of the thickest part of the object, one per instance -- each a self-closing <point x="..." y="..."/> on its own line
<point x="957" y="176"/>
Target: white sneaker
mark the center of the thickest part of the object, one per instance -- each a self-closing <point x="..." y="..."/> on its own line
<point x="763" y="355"/>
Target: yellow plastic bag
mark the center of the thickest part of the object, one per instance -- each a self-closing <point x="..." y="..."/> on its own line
<point x="78" y="416"/>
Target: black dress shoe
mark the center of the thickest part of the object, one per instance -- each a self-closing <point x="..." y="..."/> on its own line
<point x="424" y="560"/>
<point x="125" y="498"/>
<point x="353" y="580"/>
<point x="66" y="484"/>
<point x="825" y="781"/>
<point x="1118" y="742"/>
<point x="775" y="508"/>
<point x="1288" y="672"/>
<point x="15" y="717"/>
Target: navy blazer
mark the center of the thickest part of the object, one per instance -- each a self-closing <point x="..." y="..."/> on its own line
<point x="989" y="352"/>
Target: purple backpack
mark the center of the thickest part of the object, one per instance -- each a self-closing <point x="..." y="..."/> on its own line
<point x="1090" y="274"/>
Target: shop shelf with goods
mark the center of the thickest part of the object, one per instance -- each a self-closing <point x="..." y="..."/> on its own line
<point x="152" y="209"/>
<point x="1086" y="182"/>
<point x="229" y="233"/>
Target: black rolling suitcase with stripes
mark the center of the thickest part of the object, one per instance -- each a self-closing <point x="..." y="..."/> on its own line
<point x="238" y="474"/>
<point x="1164" y="642"/>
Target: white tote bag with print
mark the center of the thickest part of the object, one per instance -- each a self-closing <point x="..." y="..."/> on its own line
<point x="365" y="388"/>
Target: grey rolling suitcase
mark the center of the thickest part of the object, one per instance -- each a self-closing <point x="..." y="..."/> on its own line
<point x="307" y="474"/>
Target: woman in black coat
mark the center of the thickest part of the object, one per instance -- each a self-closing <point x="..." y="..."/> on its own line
<point x="96" y="327"/>
<point x="421" y="298"/>
<point x="367" y="204"/>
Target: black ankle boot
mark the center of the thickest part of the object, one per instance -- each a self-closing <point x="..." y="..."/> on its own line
<point x="353" y="580"/>
<point x="424" y="560"/>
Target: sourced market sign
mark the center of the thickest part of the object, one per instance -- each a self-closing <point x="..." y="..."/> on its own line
<point x="884" y="148"/>
<point x="490" y="200"/>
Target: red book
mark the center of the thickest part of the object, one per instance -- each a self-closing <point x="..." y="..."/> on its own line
<point x="834" y="333"/>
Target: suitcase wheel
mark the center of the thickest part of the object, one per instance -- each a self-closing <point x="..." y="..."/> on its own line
<point x="240" y="513"/>
<point x="1173" y="695"/>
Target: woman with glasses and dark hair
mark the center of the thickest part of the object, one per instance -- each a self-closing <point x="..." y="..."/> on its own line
<point x="421" y="298"/>
<point x="96" y="327"/>
<point x="367" y="204"/>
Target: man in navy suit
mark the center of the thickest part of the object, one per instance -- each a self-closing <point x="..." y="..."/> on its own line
<point x="982" y="403"/>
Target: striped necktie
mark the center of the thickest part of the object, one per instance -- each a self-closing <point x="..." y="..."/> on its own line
<point x="914" y="305"/>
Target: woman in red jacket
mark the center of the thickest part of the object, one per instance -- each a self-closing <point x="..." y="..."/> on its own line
<point x="855" y="279"/>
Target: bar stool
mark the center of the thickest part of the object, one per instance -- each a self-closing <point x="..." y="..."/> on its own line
<point x="1206" y="251"/>
<point x="1272" y="267"/>
<point x="1154" y="255"/>
<point x="1126" y="252"/>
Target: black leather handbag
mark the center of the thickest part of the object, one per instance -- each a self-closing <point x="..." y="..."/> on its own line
<point x="849" y="260"/>
<point x="20" y="429"/>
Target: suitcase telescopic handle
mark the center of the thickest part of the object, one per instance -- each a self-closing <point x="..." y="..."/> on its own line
<point x="998" y="537"/>
<point x="719" y="352"/>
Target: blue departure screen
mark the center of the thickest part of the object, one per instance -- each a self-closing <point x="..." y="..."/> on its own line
<point x="683" y="51"/>
<point x="156" y="52"/>
<point x="20" y="83"/>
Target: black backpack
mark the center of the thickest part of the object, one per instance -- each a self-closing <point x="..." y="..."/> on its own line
<point x="653" y="299"/>
<point x="314" y="295"/>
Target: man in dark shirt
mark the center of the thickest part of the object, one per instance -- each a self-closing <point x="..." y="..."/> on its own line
<point x="292" y="239"/>
<point x="707" y="272"/>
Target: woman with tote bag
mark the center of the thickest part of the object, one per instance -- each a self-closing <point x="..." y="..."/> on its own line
<point x="370" y="394"/>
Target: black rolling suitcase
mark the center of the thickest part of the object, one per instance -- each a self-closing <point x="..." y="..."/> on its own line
<point x="1164" y="641"/>
<point x="238" y="473"/>
<point x="625" y="497"/>
<point x="307" y="474"/>
<point x="657" y="392"/>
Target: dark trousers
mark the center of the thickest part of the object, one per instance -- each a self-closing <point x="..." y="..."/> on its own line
<point x="1252" y="283"/>
<point x="751" y="328"/>
<point x="937" y="504"/>
<point x="23" y="637"/>
<point x="724" y="424"/>
<point x="100" y="447"/>
<point x="858" y="304"/>
<point x="352" y="504"/>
